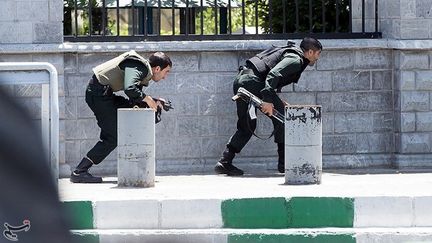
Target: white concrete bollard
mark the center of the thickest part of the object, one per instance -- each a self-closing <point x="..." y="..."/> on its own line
<point x="303" y="145"/>
<point x="136" y="147"/>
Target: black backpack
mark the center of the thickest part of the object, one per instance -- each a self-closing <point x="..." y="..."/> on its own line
<point x="264" y="61"/>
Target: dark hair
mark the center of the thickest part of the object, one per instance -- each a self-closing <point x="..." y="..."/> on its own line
<point x="309" y="43"/>
<point x="160" y="59"/>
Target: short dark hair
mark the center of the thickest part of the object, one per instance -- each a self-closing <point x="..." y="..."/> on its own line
<point x="309" y="43"/>
<point x="160" y="59"/>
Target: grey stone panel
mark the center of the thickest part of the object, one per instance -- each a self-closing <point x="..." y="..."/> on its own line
<point x="328" y="122"/>
<point x="382" y="80"/>
<point x="314" y="81"/>
<point x="213" y="147"/>
<point x="195" y="126"/>
<point x="413" y="160"/>
<point x="87" y="129"/>
<point x="165" y="87"/>
<point x="374" y="101"/>
<point x="178" y="148"/>
<point x="415" y="101"/>
<point x="48" y="32"/>
<point x="410" y="60"/>
<point x="35" y="11"/>
<point x="224" y="83"/>
<point x="424" y="80"/>
<point x="73" y="151"/>
<point x="71" y="128"/>
<point x="390" y="28"/>
<point x="374" y="142"/>
<point x="219" y="61"/>
<point x="405" y="80"/>
<point x="54" y="59"/>
<point x="389" y="9"/>
<point x="414" y="28"/>
<point x="424" y="121"/>
<point x="167" y="127"/>
<point x="423" y="8"/>
<point x="353" y="122"/>
<point x="184" y="61"/>
<point x="356" y="161"/>
<point x="8" y="10"/>
<point x="336" y="60"/>
<point x="70" y="63"/>
<point x="376" y="59"/>
<point x="259" y="148"/>
<point x="415" y="143"/>
<point x="407" y="122"/>
<point x="70" y="108"/>
<point x="408" y="9"/>
<point x="83" y="110"/>
<point x="195" y="83"/>
<point x="16" y="58"/>
<point x="382" y="122"/>
<point x="335" y="102"/>
<point x="351" y="81"/>
<point x="75" y="85"/>
<point x="227" y="125"/>
<point x="264" y="126"/>
<point x="55" y="13"/>
<point x="299" y="98"/>
<point x="339" y="144"/>
<point x="8" y="33"/>
<point x="86" y="62"/>
<point x="184" y="104"/>
<point x="216" y="105"/>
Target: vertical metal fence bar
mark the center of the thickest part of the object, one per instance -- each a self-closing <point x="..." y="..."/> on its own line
<point x="173" y="16"/>
<point x="118" y="17"/>
<point x="363" y="16"/>
<point x="90" y="14"/>
<point x="133" y="17"/>
<point x="310" y="17"/>
<point x="202" y="17"/>
<point x="256" y="17"/>
<point x="145" y="27"/>
<point x="229" y="18"/>
<point x="323" y="16"/>
<point x="216" y="17"/>
<point x="159" y="17"/>
<point x="350" y="16"/>
<point x="284" y="16"/>
<point x="337" y="16"/>
<point x="297" y="16"/>
<point x="270" y="16"/>
<point x="376" y="15"/>
<point x="187" y="18"/>
<point x="243" y="17"/>
<point x="76" y="17"/>
<point x="104" y="17"/>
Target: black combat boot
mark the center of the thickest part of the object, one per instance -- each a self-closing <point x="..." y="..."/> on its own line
<point x="81" y="174"/>
<point x="224" y="166"/>
<point x="281" y="159"/>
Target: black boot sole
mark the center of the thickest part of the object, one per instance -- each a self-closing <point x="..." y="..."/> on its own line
<point x="220" y="169"/>
<point x="78" y="179"/>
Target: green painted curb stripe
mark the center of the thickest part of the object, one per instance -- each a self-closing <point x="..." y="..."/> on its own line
<point x="279" y="213"/>
<point x="80" y="214"/>
<point x="259" y="238"/>
<point x="85" y="238"/>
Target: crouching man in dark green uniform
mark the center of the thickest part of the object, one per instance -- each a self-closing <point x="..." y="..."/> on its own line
<point x="128" y="72"/>
<point x="264" y="83"/>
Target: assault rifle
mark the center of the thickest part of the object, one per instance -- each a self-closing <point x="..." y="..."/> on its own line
<point x="248" y="97"/>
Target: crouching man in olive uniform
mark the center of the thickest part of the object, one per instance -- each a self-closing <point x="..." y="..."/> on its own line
<point x="128" y="72"/>
<point x="264" y="75"/>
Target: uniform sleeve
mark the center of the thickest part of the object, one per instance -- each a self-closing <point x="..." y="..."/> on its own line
<point x="134" y="73"/>
<point x="284" y="68"/>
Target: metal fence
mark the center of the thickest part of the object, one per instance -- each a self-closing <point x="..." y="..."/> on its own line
<point x="153" y="20"/>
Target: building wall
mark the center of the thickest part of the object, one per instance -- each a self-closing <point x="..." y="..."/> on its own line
<point x="375" y="93"/>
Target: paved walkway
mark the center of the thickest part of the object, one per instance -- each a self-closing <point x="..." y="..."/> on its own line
<point x="336" y="184"/>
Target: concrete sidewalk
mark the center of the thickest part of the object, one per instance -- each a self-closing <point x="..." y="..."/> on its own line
<point x="385" y="207"/>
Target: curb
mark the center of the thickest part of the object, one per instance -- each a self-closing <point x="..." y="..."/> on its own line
<point x="252" y="213"/>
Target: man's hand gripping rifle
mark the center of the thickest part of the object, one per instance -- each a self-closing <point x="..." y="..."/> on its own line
<point x="248" y="97"/>
<point x="166" y="105"/>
